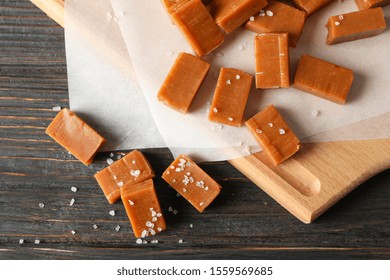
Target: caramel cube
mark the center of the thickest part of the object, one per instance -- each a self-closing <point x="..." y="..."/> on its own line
<point x="142" y="208"/>
<point x="130" y="169"/>
<point x="183" y="82"/>
<point x="367" y="4"/>
<point x="273" y="134"/>
<point x="310" y="6"/>
<point x="189" y="180"/>
<point x="230" y="97"/>
<point x="278" y="17"/>
<point x="272" y="60"/>
<point x="197" y="26"/>
<point x="355" y="26"/>
<point x="230" y="14"/>
<point x="75" y="135"/>
<point x="324" y="79"/>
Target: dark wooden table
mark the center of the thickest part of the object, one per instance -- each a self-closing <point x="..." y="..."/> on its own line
<point x="243" y="222"/>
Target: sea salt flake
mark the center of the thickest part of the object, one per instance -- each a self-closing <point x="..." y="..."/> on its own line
<point x="41" y="205"/>
<point x="269" y="13"/>
<point x="139" y="241"/>
<point x="238" y="77"/>
<point x="259" y="131"/>
<point x="170" y="209"/>
<point x="159" y="229"/>
<point x="336" y="23"/>
<point x="21" y="241"/>
<point x="215" y="110"/>
<point x="201" y="204"/>
<point x="154" y="241"/>
<point x="120" y="184"/>
<point x="159" y="215"/>
<point x="270" y="124"/>
<point x="228" y="82"/>
<point x="191" y="226"/>
<point x="154" y="219"/>
<point x="282" y="131"/>
<point x="144" y="233"/>
<point x="37" y="241"/>
<point x="110" y="161"/>
<point x="72" y="201"/>
<point x="57" y="108"/>
<point x="117" y="228"/>
<point x="111" y="155"/>
<point x="230" y="119"/>
<point x="73" y="232"/>
<point x="252" y="18"/>
<point x="73" y="189"/>
<point x="95" y="226"/>
<point x="131" y="202"/>
<point x="135" y="173"/>
<point x="144" y="242"/>
<point x="112" y="212"/>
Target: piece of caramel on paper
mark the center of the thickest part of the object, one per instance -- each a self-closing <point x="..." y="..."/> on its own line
<point x="311" y="6"/>
<point x="367" y="4"/>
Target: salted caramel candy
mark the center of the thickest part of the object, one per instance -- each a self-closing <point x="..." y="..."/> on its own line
<point x="75" y="135"/>
<point x="324" y="79"/>
<point x="272" y="60"/>
<point x="310" y="6"/>
<point x="355" y="25"/>
<point x="230" y="14"/>
<point x="143" y="208"/>
<point x="230" y="97"/>
<point x="183" y="82"/>
<point x="367" y="4"/>
<point x="278" y="17"/>
<point x="273" y="134"/>
<point x="197" y="26"/>
<point x="191" y="182"/>
<point x="130" y="169"/>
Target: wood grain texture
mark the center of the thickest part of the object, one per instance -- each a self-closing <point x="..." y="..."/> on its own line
<point x="242" y="223"/>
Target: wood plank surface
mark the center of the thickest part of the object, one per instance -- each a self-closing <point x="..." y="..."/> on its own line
<point x="242" y="223"/>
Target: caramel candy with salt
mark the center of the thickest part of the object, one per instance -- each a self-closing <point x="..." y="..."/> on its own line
<point x="367" y="4"/>
<point x="230" y="97"/>
<point x="183" y="82"/>
<point x="76" y="136"/>
<point x="278" y="17"/>
<point x="143" y="208"/>
<point x="272" y="60"/>
<point x="230" y="14"/>
<point x="197" y="26"/>
<point x="324" y="79"/>
<point x="189" y="180"/>
<point x="354" y="26"/>
<point x="130" y="169"/>
<point x="273" y="134"/>
<point x="310" y="6"/>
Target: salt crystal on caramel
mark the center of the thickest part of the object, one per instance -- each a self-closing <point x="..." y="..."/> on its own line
<point x="355" y="25"/>
<point x="195" y="185"/>
<point x="367" y="4"/>
<point x="229" y="15"/>
<point x="310" y="6"/>
<point x="273" y="134"/>
<point x="130" y="169"/>
<point x="76" y="136"/>
<point x="183" y="82"/>
<point x="324" y="79"/>
<point x="272" y="60"/>
<point x="230" y="97"/>
<point x="278" y="17"/>
<point x="143" y="208"/>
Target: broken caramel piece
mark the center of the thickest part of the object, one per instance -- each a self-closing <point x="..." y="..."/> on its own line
<point x="197" y="26"/>
<point x="230" y="97"/>
<point x="367" y="4"/>
<point x="230" y="14"/>
<point x="324" y="79"/>
<point x="272" y="60"/>
<point x="310" y="6"/>
<point x="75" y="135"/>
<point x="355" y="26"/>
<point x="183" y="82"/>
<point x="142" y="208"/>
<point x="273" y="134"/>
<point x="278" y="17"/>
<point x="191" y="182"/>
<point x="130" y="169"/>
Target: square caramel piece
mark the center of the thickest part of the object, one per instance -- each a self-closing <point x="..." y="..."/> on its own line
<point x="310" y="6"/>
<point x="273" y="134"/>
<point x="367" y="4"/>
<point x="76" y="136"/>
<point x="143" y="208"/>
<point x="278" y="17"/>
<point x="130" y="169"/>
<point x="324" y="79"/>
<point x="189" y="180"/>
<point x="197" y="26"/>
<point x="272" y="60"/>
<point x="230" y="97"/>
<point x="356" y="25"/>
<point x="183" y="82"/>
<point x="230" y="14"/>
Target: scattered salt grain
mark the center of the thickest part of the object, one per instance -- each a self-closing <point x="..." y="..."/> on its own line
<point x="119" y="157"/>
<point x="215" y="110"/>
<point x="41" y="205"/>
<point x="112" y="212"/>
<point x="73" y="189"/>
<point x="138" y="241"/>
<point x="117" y="228"/>
<point x="154" y="241"/>
<point x="144" y="242"/>
<point x="201" y="204"/>
<point x="282" y="131"/>
<point x="270" y="124"/>
<point x="135" y="173"/>
<point x="95" y="226"/>
<point x="262" y="13"/>
<point x="206" y="188"/>
<point x="73" y="232"/>
<point x="230" y="119"/>
<point x="21" y="241"/>
<point x="228" y="82"/>
<point x="269" y="13"/>
<point x="252" y="18"/>
<point x="181" y="241"/>
<point x="133" y="162"/>
<point x="37" y="241"/>
<point x="159" y="229"/>
<point x="111" y="154"/>
<point x="120" y="184"/>
<point x="341" y="17"/>
<point x="238" y="77"/>
<point x="110" y="161"/>
<point x="259" y="131"/>
<point x="72" y="201"/>
<point x="337" y="23"/>
<point x="131" y="202"/>
<point x="158" y="215"/>
<point x="191" y="226"/>
<point x="170" y="209"/>
<point x="57" y="108"/>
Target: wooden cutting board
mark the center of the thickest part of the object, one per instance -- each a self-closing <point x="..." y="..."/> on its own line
<point x="314" y="179"/>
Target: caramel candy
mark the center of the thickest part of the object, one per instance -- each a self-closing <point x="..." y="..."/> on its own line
<point x="273" y="134"/>
<point x="356" y="25"/>
<point x="183" y="82"/>
<point x="272" y="60"/>
<point x="323" y="79"/>
<point x="75" y="135"/>
<point x="142" y="208"/>
<point x="132" y="168"/>
<point x="367" y="4"/>
<point x="230" y="97"/>
<point x="197" y="26"/>
<point x="279" y="17"/>
<point x="310" y="6"/>
<point x="230" y="14"/>
<point x="188" y="179"/>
